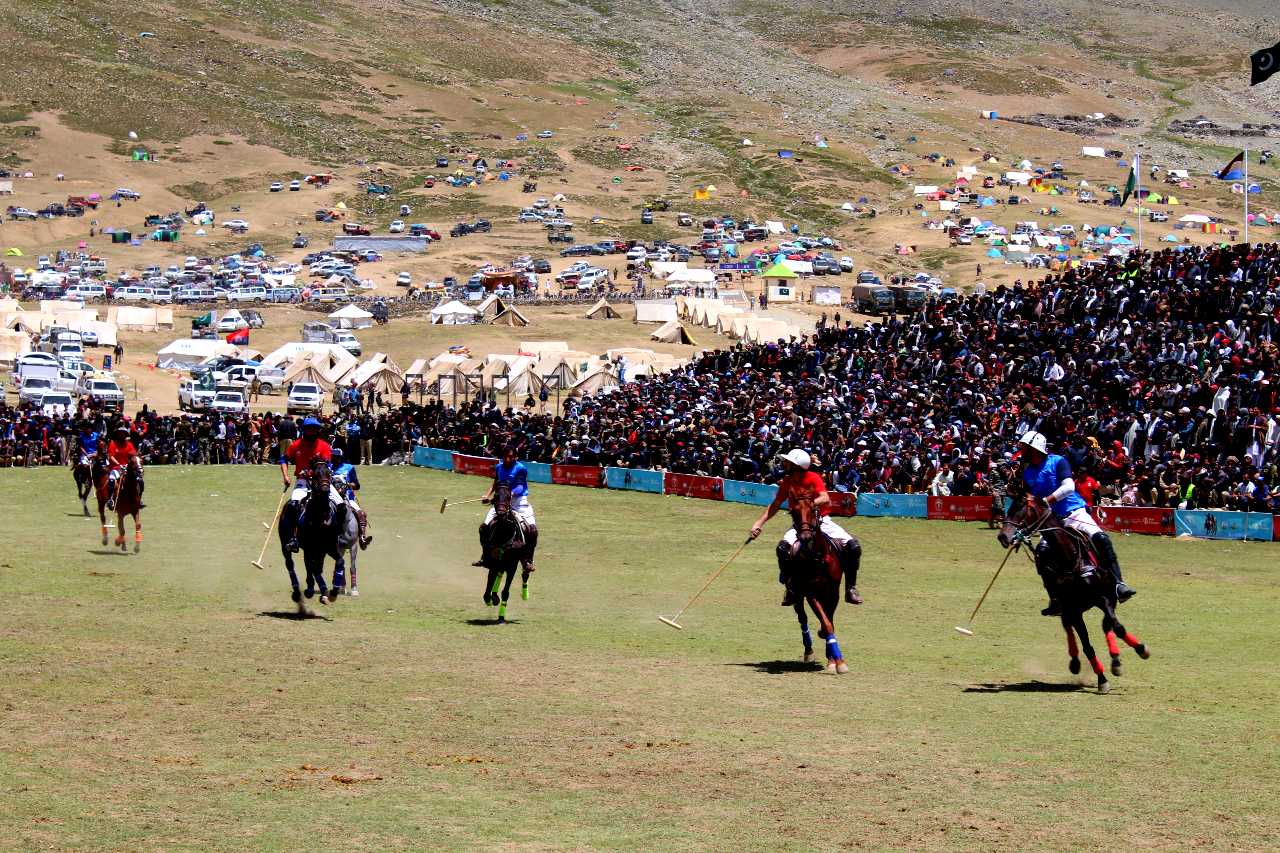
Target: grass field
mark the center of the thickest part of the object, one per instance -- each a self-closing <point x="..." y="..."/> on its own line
<point x="157" y="702"/>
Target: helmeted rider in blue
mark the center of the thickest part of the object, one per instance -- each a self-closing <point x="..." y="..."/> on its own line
<point x="1048" y="477"/>
<point x="512" y="472"/>
<point x="87" y="442"/>
<point x="347" y="482"/>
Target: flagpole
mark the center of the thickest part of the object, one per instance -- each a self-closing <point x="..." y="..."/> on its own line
<point x="1246" y="195"/>
<point x="1137" y="176"/>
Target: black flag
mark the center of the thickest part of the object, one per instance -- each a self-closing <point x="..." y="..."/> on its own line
<point x="1265" y="63"/>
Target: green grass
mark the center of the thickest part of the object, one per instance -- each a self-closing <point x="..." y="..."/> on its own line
<point x="153" y="702"/>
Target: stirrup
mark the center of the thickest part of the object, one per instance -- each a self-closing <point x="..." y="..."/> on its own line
<point x="1054" y="608"/>
<point x="789" y="598"/>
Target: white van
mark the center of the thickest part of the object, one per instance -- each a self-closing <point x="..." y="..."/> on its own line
<point x="86" y="290"/>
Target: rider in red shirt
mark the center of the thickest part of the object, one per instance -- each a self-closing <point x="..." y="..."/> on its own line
<point x="303" y="452"/>
<point x="120" y="451"/>
<point x="799" y="481"/>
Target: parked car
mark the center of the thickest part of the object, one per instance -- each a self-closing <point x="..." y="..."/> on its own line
<point x="239" y="225"/>
<point x="133" y="294"/>
<point x="232" y="322"/>
<point x="541" y="265"/>
<point x="404" y="279"/>
<point x="229" y="403"/>
<point x="248" y="294"/>
<point x="396" y="227"/>
<point x="276" y="186"/>
<point x="56" y="404"/>
<point x="355" y="229"/>
<point x="545" y="134"/>
<point x="103" y="389"/>
<point x="304" y="398"/>
<point x="126" y="193"/>
<point x="294" y="186"/>
<point x="194" y="396"/>
<point x="301" y="242"/>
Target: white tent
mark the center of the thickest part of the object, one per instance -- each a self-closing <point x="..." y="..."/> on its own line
<point x="925" y="189"/>
<point x="602" y="310"/>
<point x="1093" y="151"/>
<point x="543" y="348"/>
<point x="655" y="310"/>
<point x="453" y="313"/>
<point x="672" y="332"/>
<point x="598" y="381"/>
<point x="12" y="345"/>
<point x="1195" y="217"/>
<point x="350" y="317"/>
<point x="691" y="277"/>
<point x="661" y="269"/>
<point x="187" y="352"/>
<point x="1018" y="178"/>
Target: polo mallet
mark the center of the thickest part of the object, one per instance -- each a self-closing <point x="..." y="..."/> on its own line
<point x="279" y="508"/>
<point x="674" y="621"/>
<point x="445" y="504"/>
<point x="1008" y="552"/>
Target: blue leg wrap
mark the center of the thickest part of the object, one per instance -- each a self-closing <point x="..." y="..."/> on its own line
<point x="833" y="649"/>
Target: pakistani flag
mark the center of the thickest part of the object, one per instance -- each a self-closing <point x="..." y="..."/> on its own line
<point x="1131" y="185"/>
<point x="202" y="322"/>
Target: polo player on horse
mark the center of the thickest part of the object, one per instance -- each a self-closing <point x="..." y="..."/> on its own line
<point x="120" y="451"/>
<point x="1048" y="477"/>
<point x="799" y="481"/>
<point x="512" y="473"/>
<point x="303" y="453"/>
<point x="347" y="482"/>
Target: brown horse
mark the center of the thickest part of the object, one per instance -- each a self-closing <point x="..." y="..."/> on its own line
<point x="128" y="500"/>
<point x="815" y="571"/>
<point x="1077" y="580"/>
<point x="100" y="476"/>
<point x="82" y="473"/>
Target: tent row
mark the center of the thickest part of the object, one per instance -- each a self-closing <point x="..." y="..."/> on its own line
<point x="494" y="310"/>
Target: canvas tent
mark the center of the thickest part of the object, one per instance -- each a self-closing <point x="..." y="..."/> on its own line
<point x="453" y="313"/>
<point x="491" y="307"/>
<point x="541" y="349"/>
<point x="309" y="368"/>
<point x="672" y="332"/>
<point x="350" y="317"/>
<point x="12" y="345"/>
<point x="602" y="310"/>
<point x="655" y="310"/>
<point x="185" y="353"/>
<point x="510" y="316"/>
<point x="599" y="381"/>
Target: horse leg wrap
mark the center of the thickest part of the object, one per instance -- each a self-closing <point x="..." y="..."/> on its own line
<point x="1112" y="647"/>
<point x="1096" y="664"/>
<point x="807" y="637"/>
<point x="362" y="522"/>
<point x="502" y="611"/>
<point x="1130" y="640"/>
<point x="833" y="649"/>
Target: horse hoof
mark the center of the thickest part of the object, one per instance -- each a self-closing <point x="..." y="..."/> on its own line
<point x="137" y="546"/>
<point x="355" y="593"/>
<point x="310" y="592"/>
<point x="104" y="539"/>
<point x="86" y="512"/>
<point x="831" y="667"/>
<point x="1115" y="666"/>
<point x="297" y="596"/>
<point x="842" y="667"/>
<point x="1143" y="651"/>
<point x="809" y="656"/>
<point x="1074" y="666"/>
<point x="324" y="599"/>
<point x="1104" y="687"/>
<point x="502" y="620"/>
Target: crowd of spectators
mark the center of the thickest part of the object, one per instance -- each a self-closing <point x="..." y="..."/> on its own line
<point x="1155" y="375"/>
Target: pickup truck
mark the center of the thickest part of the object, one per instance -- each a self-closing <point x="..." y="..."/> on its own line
<point x="229" y="403"/>
<point x="305" y="398"/>
<point x="104" y="389"/>
<point x="241" y="376"/>
<point x="193" y="397"/>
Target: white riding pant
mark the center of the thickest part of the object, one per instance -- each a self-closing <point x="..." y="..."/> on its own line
<point x="300" y="490"/>
<point x="833" y="531"/>
<point x="520" y="506"/>
<point x="1081" y="520"/>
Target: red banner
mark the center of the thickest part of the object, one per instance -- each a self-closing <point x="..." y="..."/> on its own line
<point x="578" y="475"/>
<point x="961" y="508"/>
<point x="1135" y="519"/>
<point x="1275" y="528"/>
<point x="843" y="503"/>
<point x="692" y="486"/>
<point x="481" y="466"/>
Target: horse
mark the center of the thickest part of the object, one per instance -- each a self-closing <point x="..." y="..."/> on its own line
<point x="1066" y="563"/>
<point x="82" y="473"/>
<point x="815" y="573"/>
<point x="128" y="501"/>
<point x="322" y="530"/>
<point x="506" y="544"/>
<point x="100" y="476"/>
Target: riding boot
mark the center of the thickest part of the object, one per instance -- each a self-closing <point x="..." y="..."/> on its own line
<point x="850" y="562"/>
<point x="530" y="545"/>
<point x="290" y="521"/>
<point x="142" y="487"/>
<point x="1055" y="606"/>
<point x="484" y="546"/>
<point x="784" y="575"/>
<point x="1107" y="557"/>
<point x="362" y="523"/>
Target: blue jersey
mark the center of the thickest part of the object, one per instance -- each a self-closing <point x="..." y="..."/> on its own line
<point x="1044" y="479"/>
<point x="89" y="443"/>
<point x="516" y="476"/>
<point x="346" y="472"/>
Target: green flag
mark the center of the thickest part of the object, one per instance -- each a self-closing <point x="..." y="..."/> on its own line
<point x="1132" y="184"/>
<point x="201" y="322"/>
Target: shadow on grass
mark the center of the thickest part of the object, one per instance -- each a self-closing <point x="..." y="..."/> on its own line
<point x="294" y="615"/>
<point x="494" y="621"/>
<point x="114" y="552"/>
<point x="78" y="515"/>
<point x="1024" y="687"/>
<point x="781" y="667"/>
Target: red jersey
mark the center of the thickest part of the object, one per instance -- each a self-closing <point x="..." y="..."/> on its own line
<point x="120" y="454"/>
<point x="803" y="484"/>
<point x="302" y="452"/>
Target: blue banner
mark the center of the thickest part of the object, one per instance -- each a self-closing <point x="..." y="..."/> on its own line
<point x="431" y="457"/>
<point x="635" y="479"/>
<point x="1214" y="524"/>
<point x="539" y="472"/>
<point x="900" y="506"/>
<point x="760" y="494"/>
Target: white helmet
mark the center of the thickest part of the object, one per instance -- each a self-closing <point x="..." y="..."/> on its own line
<point x="1035" y="441"/>
<point x="798" y="458"/>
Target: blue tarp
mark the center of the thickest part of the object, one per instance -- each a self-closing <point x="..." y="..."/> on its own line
<point x="900" y="506"/>
<point x="760" y="494"/>
<point x="635" y="479"/>
<point x="431" y="457"/>
<point x="785" y="154"/>
<point x="1211" y="524"/>
<point x="539" y="472"/>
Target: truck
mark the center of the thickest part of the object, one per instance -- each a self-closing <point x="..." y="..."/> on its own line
<point x="101" y="387"/>
<point x="196" y="395"/>
<point x="241" y="376"/>
<point x="872" y="298"/>
<point x="907" y="298"/>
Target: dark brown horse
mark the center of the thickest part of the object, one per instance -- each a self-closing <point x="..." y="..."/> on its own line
<point x="82" y="473"/>
<point x="128" y="500"/>
<point x="815" y="572"/>
<point x="1078" y="581"/>
<point x="507" y="542"/>
<point x="99" y="475"/>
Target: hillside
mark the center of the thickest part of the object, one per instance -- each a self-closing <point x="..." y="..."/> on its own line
<point x="231" y="94"/>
